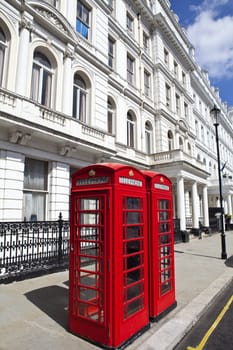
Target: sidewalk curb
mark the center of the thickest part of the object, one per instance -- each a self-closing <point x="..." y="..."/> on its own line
<point x="165" y="338"/>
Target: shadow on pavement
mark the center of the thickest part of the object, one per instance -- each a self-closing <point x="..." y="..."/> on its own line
<point x="197" y="254"/>
<point x="229" y="261"/>
<point x="53" y="301"/>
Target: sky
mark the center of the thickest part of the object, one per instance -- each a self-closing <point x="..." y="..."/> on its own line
<point x="209" y="26"/>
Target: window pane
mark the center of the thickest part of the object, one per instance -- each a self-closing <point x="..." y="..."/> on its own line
<point x="34" y="206"/>
<point x="82" y="21"/>
<point x="35" y="82"/>
<point x="46" y="89"/>
<point x="35" y="174"/>
<point x="133" y="203"/>
<point x="82" y="107"/>
<point x="2" y="54"/>
<point x="75" y="101"/>
<point x="41" y="79"/>
<point x="79" y="98"/>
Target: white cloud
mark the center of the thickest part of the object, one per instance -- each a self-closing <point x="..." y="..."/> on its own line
<point x="212" y="37"/>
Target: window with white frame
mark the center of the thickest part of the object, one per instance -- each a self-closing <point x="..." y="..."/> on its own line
<point x="189" y="148"/>
<point x="183" y="79"/>
<point x="80" y="99"/>
<point x="3" y="46"/>
<point x="129" y="23"/>
<point x="166" y="57"/>
<point x="83" y="19"/>
<point x="186" y="111"/>
<point x="145" y="39"/>
<point x="202" y="133"/>
<point x="111" y="115"/>
<point x="168" y="95"/>
<point x="35" y="189"/>
<point x="111" y="52"/>
<point x="197" y="128"/>
<point x="170" y="140"/>
<point x="200" y="106"/>
<point x="177" y="104"/>
<point x="175" y="66"/>
<point x="181" y="143"/>
<point x="148" y="137"/>
<point x="41" y="85"/>
<point x="130" y="69"/>
<point x="147" y="83"/>
<point x="131" y="129"/>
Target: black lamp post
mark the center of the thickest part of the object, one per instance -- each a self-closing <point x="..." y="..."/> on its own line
<point x="215" y="111"/>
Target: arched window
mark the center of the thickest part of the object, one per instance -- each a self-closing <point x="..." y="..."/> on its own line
<point x="210" y="168"/>
<point x="2" y="54"/>
<point x="148" y="137"/>
<point x="80" y="99"/>
<point x="41" y="86"/>
<point x="189" y="149"/>
<point x="170" y="140"/>
<point x="181" y="144"/>
<point x="131" y="129"/>
<point x="111" y="116"/>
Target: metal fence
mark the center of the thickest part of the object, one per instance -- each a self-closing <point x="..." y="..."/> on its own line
<point x="32" y="247"/>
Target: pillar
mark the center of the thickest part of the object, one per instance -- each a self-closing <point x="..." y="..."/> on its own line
<point x="205" y="207"/>
<point x="22" y="63"/>
<point x="67" y="83"/>
<point x="181" y="203"/>
<point x="229" y="204"/>
<point x="195" y="205"/>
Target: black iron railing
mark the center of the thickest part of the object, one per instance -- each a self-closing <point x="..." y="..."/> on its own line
<point x="177" y="232"/>
<point x="29" y="247"/>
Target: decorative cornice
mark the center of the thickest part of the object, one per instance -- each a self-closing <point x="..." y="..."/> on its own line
<point x="132" y="96"/>
<point x="52" y="18"/>
<point x="161" y="24"/>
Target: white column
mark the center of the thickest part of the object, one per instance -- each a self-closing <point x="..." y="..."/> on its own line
<point x="181" y="202"/>
<point x="195" y="202"/>
<point x="67" y="84"/>
<point x="11" y="185"/>
<point x="59" y="191"/>
<point x="205" y="207"/>
<point x="22" y="71"/>
<point x="229" y="204"/>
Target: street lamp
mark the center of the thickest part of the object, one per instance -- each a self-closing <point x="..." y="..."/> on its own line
<point x="215" y="112"/>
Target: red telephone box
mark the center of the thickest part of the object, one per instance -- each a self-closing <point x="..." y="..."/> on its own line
<point x="161" y="245"/>
<point x="108" y="295"/>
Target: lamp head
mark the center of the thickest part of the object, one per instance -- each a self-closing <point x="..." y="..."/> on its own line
<point x="214" y="112"/>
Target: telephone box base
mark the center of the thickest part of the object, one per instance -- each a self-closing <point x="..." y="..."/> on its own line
<point x="119" y="347"/>
<point x="164" y="313"/>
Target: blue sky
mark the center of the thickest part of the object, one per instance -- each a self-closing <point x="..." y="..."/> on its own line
<point x="209" y="25"/>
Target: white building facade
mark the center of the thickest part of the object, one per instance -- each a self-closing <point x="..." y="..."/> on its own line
<point x="88" y="81"/>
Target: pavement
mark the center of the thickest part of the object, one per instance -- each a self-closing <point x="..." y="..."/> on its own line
<point x="34" y="312"/>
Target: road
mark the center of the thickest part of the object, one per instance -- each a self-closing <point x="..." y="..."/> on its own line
<point x="214" y="330"/>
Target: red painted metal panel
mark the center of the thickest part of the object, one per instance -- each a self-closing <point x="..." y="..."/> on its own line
<point x="161" y="244"/>
<point x="108" y="297"/>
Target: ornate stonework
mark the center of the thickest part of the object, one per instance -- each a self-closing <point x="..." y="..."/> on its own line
<point x="52" y="18"/>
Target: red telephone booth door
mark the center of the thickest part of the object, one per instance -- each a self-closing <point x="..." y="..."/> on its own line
<point x="132" y="271"/>
<point x="161" y="245"/>
<point x="166" y="278"/>
<point x="88" y="259"/>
